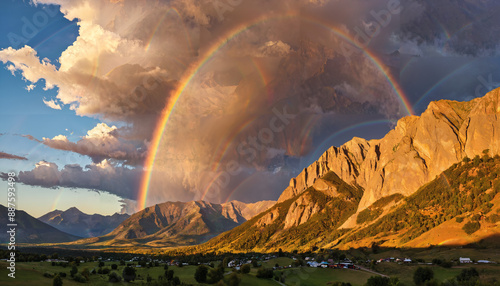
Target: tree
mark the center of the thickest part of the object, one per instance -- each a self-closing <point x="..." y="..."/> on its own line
<point x="422" y="274"/>
<point x="79" y="278"/>
<point x="176" y="281"/>
<point x="73" y="271"/>
<point x="201" y="274"/>
<point x="280" y="253"/>
<point x="114" y="278"/>
<point x="114" y="266"/>
<point x="215" y="275"/>
<point x="245" y="268"/>
<point x="469" y="275"/>
<point x="128" y="274"/>
<point x="57" y="281"/>
<point x="233" y="280"/>
<point x="226" y="261"/>
<point x="378" y="281"/>
<point x="471" y="227"/>
<point x="169" y="274"/>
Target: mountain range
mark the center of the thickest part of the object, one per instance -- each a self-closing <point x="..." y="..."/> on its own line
<point x="390" y="191"/>
<point x="177" y="223"/>
<point x="31" y="230"/>
<point x="77" y="223"/>
<point x="432" y="180"/>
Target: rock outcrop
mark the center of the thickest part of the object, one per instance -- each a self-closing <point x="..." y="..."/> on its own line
<point x="414" y="153"/>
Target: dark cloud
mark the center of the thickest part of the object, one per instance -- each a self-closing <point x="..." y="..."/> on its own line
<point x="12" y="157"/>
<point x="120" y="181"/>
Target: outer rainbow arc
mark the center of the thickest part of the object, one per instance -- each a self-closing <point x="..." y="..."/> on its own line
<point x="167" y="111"/>
<point x="207" y="55"/>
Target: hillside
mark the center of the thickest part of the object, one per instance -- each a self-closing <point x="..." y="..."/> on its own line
<point x="75" y="222"/>
<point x="177" y="223"/>
<point x="301" y="222"/>
<point x="460" y="206"/>
<point x="412" y="162"/>
<point x="31" y="230"/>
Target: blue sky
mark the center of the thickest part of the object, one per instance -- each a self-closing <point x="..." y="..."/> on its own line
<point x="24" y="113"/>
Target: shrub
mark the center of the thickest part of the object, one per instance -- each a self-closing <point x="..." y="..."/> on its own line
<point x="62" y="274"/>
<point x="245" y="268"/>
<point x="79" y="278"/>
<point x="494" y="218"/>
<point x="86" y="273"/>
<point x="114" y="278"/>
<point x="468" y="275"/>
<point x="265" y="273"/>
<point x="471" y="227"/>
<point x="378" y="281"/>
<point x="476" y="217"/>
<point x="459" y="219"/>
<point x="57" y="281"/>
<point x="233" y="280"/>
<point x="422" y="274"/>
<point x="105" y="270"/>
<point x="215" y="275"/>
<point x="48" y="274"/>
<point x="114" y="266"/>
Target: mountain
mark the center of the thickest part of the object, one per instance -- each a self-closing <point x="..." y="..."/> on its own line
<point x="414" y="153"/>
<point x="177" y="223"/>
<point x="460" y="206"/>
<point x="31" y="230"/>
<point x="75" y="222"/>
<point x="331" y="201"/>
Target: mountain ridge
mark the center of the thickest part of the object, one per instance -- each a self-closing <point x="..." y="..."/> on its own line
<point x="76" y="222"/>
<point x="379" y="174"/>
<point x="31" y="230"/>
<point x="177" y="223"/>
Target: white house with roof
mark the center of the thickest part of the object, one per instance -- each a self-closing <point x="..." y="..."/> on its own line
<point x="465" y="260"/>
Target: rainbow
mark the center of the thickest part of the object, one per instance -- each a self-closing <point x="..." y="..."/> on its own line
<point x="208" y="54"/>
<point x="441" y="81"/>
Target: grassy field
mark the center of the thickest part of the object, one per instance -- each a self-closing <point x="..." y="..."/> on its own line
<point x="306" y="276"/>
<point x="282" y="261"/>
<point x="31" y="273"/>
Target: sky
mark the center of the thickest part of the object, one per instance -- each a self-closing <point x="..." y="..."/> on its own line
<point x="113" y="106"/>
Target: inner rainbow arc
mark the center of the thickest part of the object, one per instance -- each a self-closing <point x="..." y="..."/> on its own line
<point x="207" y="55"/>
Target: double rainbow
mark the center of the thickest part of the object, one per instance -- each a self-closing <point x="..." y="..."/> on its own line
<point x="208" y="54"/>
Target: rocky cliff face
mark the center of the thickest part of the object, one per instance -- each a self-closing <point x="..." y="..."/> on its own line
<point x="414" y="153"/>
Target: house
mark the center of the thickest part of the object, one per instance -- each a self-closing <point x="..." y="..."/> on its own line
<point x="465" y="260"/>
<point x="407" y="260"/>
<point x="484" y="261"/>
<point x="313" y="264"/>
